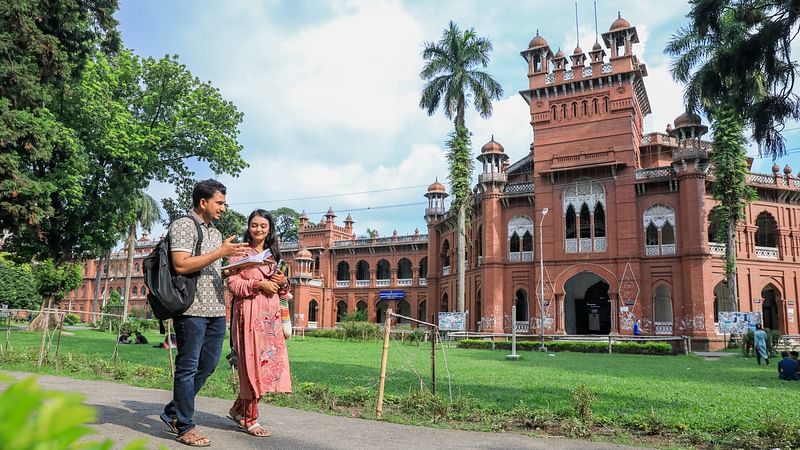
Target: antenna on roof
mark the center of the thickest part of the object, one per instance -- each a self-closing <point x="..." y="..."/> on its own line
<point x="595" y="22"/>
<point x="577" y="33"/>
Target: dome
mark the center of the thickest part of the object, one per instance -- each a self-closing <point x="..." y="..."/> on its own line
<point x="787" y="170"/>
<point x="349" y="218"/>
<point x="687" y="119"/>
<point x="559" y="54"/>
<point x="330" y="212"/>
<point x="492" y="147"/>
<point x="597" y="47"/>
<point x="303" y="215"/>
<point x="436" y="187"/>
<point x="537" y="41"/>
<point x="776" y="168"/>
<point x="303" y="254"/>
<point x="619" y="24"/>
<point x="578" y="51"/>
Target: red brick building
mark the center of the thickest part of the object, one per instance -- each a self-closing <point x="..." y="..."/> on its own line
<point x="626" y="235"/>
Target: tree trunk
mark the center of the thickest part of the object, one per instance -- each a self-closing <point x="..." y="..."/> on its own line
<point x="462" y="254"/>
<point x="730" y="263"/>
<point x="131" y="249"/>
<point x="108" y="276"/>
<point x="39" y="321"/>
<point x="97" y="291"/>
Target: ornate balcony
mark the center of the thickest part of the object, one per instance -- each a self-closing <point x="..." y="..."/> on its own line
<point x="342" y="284"/>
<point x="423" y="281"/>
<point x="521" y="326"/>
<point x="664" y="328"/>
<point x="362" y="283"/>
<point x="405" y="282"/>
<point x="716" y="248"/>
<point x="383" y="283"/>
<point x="767" y="252"/>
<point x="445" y="271"/>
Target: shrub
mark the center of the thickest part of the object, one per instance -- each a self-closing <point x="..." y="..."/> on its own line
<point x="647" y="348"/>
<point x="583" y="400"/>
<point x="361" y="331"/>
<point x="359" y="315"/>
<point x="71" y="319"/>
<point x="326" y="333"/>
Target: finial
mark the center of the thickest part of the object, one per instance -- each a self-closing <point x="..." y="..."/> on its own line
<point x="595" y="22"/>
<point x="492" y="137"/>
<point x="619" y="15"/>
<point x="577" y="33"/>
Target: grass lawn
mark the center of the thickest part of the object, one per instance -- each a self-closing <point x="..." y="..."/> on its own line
<point x="678" y="394"/>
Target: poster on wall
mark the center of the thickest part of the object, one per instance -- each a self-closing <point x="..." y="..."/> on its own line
<point x="452" y="321"/>
<point x="737" y="322"/>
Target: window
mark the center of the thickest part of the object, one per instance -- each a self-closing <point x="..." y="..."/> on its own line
<point x="527" y="242"/>
<point x="423" y="267"/>
<point x="313" y="306"/>
<point x="605" y="104"/>
<point x="520" y="239"/>
<point x="585" y="106"/>
<point x="659" y="230"/>
<point x="384" y="271"/>
<point x="513" y="243"/>
<point x="341" y="310"/>
<point x="343" y="271"/>
<point x="362" y="270"/>
<point x="553" y="113"/>
<point x="404" y="269"/>
<point x="584" y="217"/>
<point x="766" y="232"/>
<point x="595" y="106"/>
<point x="444" y="305"/>
<point x="662" y="303"/>
<point x="446" y="253"/>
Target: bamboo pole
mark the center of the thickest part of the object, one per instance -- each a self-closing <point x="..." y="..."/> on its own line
<point x="387" y="329"/>
<point x="434" y="335"/>
<point x="58" y="342"/>
<point x="44" y="336"/>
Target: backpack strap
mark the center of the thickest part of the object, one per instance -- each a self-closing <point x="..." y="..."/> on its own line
<point x="198" y="246"/>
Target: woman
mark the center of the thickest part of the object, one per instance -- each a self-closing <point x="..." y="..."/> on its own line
<point x="256" y="328"/>
<point x="760" y="345"/>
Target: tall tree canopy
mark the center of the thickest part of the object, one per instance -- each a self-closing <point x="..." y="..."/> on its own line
<point x="44" y="45"/>
<point x="452" y="73"/>
<point x="287" y="222"/>
<point x="739" y="52"/>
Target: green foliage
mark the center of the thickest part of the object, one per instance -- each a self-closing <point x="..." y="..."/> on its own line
<point x="287" y="222"/>
<point x="361" y="331"/>
<point x="56" y="282"/>
<point x="359" y="315"/>
<point x="332" y="333"/>
<point x="45" y="46"/>
<point x="773" y="338"/>
<point x="230" y="223"/>
<point x="460" y="163"/>
<point x="648" y="348"/>
<point x="583" y="399"/>
<point x="33" y="418"/>
<point x="71" y="319"/>
<point x="17" y="285"/>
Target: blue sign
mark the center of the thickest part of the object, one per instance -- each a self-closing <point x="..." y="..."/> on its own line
<point x="395" y="294"/>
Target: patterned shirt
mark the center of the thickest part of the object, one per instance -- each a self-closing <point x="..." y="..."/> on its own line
<point x="209" y="298"/>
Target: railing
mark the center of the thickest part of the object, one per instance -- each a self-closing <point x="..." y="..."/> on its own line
<point x="312" y="324"/>
<point x="521" y="326"/>
<point x="383" y="283"/>
<point x="568" y="75"/>
<point x="606" y="68"/>
<point x="766" y="252"/>
<point x="651" y="250"/>
<point x="492" y="177"/>
<point x="342" y="284"/>
<point x="549" y="78"/>
<point x="423" y="281"/>
<point x="664" y="328"/>
<point x="571" y="245"/>
<point x="587" y="71"/>
<point x="600" y="244"/>
<point x="761" y="179"/>
<point x="362" y="283"/>
<point x="445" y="271"/>
<point x="668" y="249"/>
<point x="716" y="248"/>
<point x="654" y="172"/>
<point x="405" y="282"/>
<point x="513" y="188"/>
<point x="513" y="257"/>
<point x="586" y="245"/>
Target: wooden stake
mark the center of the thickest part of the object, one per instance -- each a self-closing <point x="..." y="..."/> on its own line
<point x="44" y="336"/>
<point x="387" y="329"/>
<point x="434" y="335"/>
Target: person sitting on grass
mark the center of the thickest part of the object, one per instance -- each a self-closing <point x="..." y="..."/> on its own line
<point x="787" y="367"/>
<point x="123" y="338"/>
<point x="140" y="339"/>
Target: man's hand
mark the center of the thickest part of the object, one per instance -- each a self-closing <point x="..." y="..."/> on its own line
<point x="230" y="248"/>
<point x="268" y="287"/>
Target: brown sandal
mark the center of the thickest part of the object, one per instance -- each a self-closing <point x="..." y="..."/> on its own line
<point x="193" y="438"/>
<point x="257" y="430"/>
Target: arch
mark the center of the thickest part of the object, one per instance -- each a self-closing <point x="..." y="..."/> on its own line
<point x="343" y="271"/>
<point x="480" y="241"/>
<point x="585" y="106"/>
<point x="553" y="113"/>
<point x="444" y="304"/>
<point x="313" y="307"/>
<point x="605" y="104"/>
<point x="519" y="225"/>
<point x="766" y="230"/>
<point x="423" y="267"/>
<point x="404" y="271"/>
<point x="713" y="231"/>
<point x="667" y="234"/>
<point x="404" y="309"/>
<point x="361" y="305"/>
<point x="134" y="292"/>
<point x="384" y="271"/>
<point x="362" y="270"/>
<point x="585" y="223"/>
<point x="599" y="220"/>
<point x="341" y="310"/>
<point x="651" y="235"/>
<point x="595" y="106"/>
<point x="563" y="110"/>
<point x="587" y="304"/>
<point x="662" y="305"/>
<point x="513" y="243"/>
<point x="446" y="253"/>
<point x="422" y="310"/>
<point x="136" y="267"/>
<point x="574" y="109"/>
<point x="571" y="230"/>
<point x="659" y="225"/>
<point x="770" y="311"/>
<point x="380" y="311"/>
<point x="521" y="302"/>
<point x="722" y="300"/>
<point x="601" y="271"/>
<point x="527" y="242"/>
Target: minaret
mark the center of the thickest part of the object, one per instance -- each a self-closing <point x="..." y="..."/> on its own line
<point x="492" y="157"/>
<point x="303" y="219"/>
<point x="329" y="216"/>
<point x="436" y="195"/>
<point x="348" y="224"/>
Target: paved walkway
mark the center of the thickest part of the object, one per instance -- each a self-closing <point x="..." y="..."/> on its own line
<point x="126" y="413"/>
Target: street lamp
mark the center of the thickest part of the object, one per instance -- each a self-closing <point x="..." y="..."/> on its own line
<point x="542" y="348"/>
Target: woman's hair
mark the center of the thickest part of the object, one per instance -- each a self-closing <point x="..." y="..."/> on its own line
<point x="272" y="240"/>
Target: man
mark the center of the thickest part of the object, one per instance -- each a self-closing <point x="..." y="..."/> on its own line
<point x="787" y="367"/>
<point x="200" y="331"/>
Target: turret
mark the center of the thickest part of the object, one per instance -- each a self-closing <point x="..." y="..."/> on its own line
<point x="436" y="195"/>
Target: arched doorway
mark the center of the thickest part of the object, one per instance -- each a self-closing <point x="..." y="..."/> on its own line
<point x="313" y="306"/>
<point x="341" y="310"/>
<point x="722" y="300"/>
<point x="444" y="304"/>
<point x="404" y="309"/>
<point x="380" y="311"/>
<point x="587" y="305"/>
<point x="362" y="308"/>
<point x="769" y="308"/>
<point x="521" y="301"/>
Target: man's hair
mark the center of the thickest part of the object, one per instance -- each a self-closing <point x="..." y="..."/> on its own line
<point x="784" y="354"/>
<point x="793" y="353"/>
<point x="205" y="190"/>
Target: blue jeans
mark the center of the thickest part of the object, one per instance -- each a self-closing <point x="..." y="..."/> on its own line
<point x="199" y="346"/>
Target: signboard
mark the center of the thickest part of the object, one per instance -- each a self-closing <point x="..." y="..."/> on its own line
<point x="452" y="321"/>
<point x="737" y="322"/>
<point x="394" y="294"/>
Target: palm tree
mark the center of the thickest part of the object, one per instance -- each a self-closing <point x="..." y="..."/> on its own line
<point x="707" y="61"/>
<point x="147" y="214"/>
<point x="452" y="71"/>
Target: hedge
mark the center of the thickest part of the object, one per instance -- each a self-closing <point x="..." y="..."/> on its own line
<point x="648" y="348"/>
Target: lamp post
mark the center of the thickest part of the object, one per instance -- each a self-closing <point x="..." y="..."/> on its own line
<point x="542" y="348"/>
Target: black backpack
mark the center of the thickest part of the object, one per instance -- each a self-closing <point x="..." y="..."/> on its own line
<point x="170" y="294"/>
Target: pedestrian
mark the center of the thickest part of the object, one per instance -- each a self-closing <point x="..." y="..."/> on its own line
<point x="257" y="333"/>
<point x="637" y="328"/>
<point x="200" y="331"/>
<point x="760" y="345"/>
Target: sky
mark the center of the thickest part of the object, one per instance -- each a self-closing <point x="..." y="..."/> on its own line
<point x="330" y="90"/>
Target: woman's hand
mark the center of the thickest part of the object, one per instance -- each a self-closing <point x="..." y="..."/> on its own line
<point x="278" y="278"/>
<point x="268" y="287"/>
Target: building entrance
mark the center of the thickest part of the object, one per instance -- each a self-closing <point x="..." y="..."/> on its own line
<point x="587" y="305"/>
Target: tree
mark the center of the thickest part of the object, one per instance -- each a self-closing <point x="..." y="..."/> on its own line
<point x="17" y="285"/>
<point x="740" y="50"/>
<point x="287" y="221"/>
<point x="147" y="213"/>
<point x="53" y="282"/>
<point x="44" y="46"/>
<point x="452" y="73"/>
<point x="707" y="60"/>
<point x="231" y="223"/>
<point x="373" y="234"/>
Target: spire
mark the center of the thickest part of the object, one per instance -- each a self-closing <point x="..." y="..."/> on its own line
<point x="595" y="23"/>
<point x="577" y="32"/>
